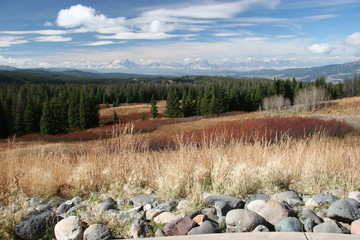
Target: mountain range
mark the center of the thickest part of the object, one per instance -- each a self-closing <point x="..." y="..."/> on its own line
<point x="131" y="69"/>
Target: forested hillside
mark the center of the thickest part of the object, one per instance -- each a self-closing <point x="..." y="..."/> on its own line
<point x="30" y="103"/>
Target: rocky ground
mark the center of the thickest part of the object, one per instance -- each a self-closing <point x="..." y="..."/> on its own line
<point x="147" y="216"/>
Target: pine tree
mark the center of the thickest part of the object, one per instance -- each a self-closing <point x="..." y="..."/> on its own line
<point x="31" y="125"/>
<point x="83" y="112"/>
<point x="172" y="104"/>
<point x="73" y="110"/>
<point x="46" y="121"/>
<point x="153" y="108"/>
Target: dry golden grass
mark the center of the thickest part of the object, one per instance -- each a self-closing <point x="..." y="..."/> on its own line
<point x="126" y="111"/>
<point x="119" y="166"/>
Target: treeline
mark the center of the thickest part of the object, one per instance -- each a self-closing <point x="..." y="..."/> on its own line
<point x="59" y="108"/>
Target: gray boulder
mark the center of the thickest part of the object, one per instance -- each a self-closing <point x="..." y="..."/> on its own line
<point x="168" y="206"/>
<point x="347" y="210"/>
<point x="104" y="206"/>
<point x="309" y="214"/>
<point x="141" y="200"/>
<point x="69" y="229"/>
<point x="257" y="196"/>
<point x="180" y="226"/>
<point x="283" y="196"/>
<point x="64" y="207"/>
<point x="243" y="220"/>
<point x="327" y="227"/>
<point x="309" y="225"/>
<point x="97" y="232"/>
<point x="35" y="225"/>
<point x="76" y="200"/>
<point x="207" y="227"/>
<point x="355" y="195"/>
<point x="233" y="202"/>
<point x="324" y="198"/>
<point x="289" y="224"/>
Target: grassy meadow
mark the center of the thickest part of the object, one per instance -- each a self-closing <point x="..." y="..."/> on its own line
<point x="235" y="153"/>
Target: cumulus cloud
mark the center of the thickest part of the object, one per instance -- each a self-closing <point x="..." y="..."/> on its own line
<point x="53" y="39"/>
<point x="353" y="39"/>
<point x="83" y="16"/>
<point x="7" y="41"/>
<point x="319" y="48"/>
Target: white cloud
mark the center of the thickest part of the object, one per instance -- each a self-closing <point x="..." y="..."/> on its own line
<point x="53" y="39"/>
<point x="353" y="39"/>
<point x="319" y="48"/>
<point x="83" y="16"/>
<point x="101" y="43"/>
<point x="320" y="17"/>
<point x="7" y="41"/>
<point x="39" y="32"/>
<point x="134" y="36"/>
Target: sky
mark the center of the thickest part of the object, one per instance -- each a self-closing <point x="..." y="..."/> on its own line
<point x="103" y="34"/>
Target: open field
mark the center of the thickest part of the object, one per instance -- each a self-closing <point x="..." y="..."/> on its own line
<point x="240" y="156"/>
<point x="234" y="153"/>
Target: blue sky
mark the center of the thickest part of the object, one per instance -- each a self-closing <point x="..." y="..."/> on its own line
<point x="103" y="34"/>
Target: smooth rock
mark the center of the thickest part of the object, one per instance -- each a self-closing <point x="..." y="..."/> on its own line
<point x="261" y="228"/>
<point x="180" y="226"/>
<point x="355" y="227"/>
<point x="183" y="204"/>
<point x="64" y="207"/>
<point x="168" y="206"/>
<point x="194" y="213"/>
<point x="324" y="198"/>
<point x="327" y="227"/>
<point x="222" y="208"/>
<point x="143" y="199"/>
<point x="294" y="202"/>
<point x="257" y="196"/>
<point x="311" y="203"/>
<point x="309" y="225"/>
<point x="243" y="220"/>
<point x="355" y="195"/>
<point x="233" y="202"/>
<point x="77" y="200"/>
<point x="308" y="213"/>
<point x="123" y="201"/>
<point x="289" y="224"/>
<point x="305" y="197"/>
<point x="152" y="213"/>
<point x="207" y="227"/>
<point x="69" y="229"/>
<point x="347" y="210"/>
<point x="104" y="206"/>
<point x="255" y="205"/>
<point x="165" y="217"/>
<point x="274" y="212"/>
<point x="283" y="196"/>
<point x="97" y="232"/>
<point x="35" y="225"/>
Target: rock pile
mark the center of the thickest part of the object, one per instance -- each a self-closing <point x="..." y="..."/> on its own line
<point x="147" y="216"/>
